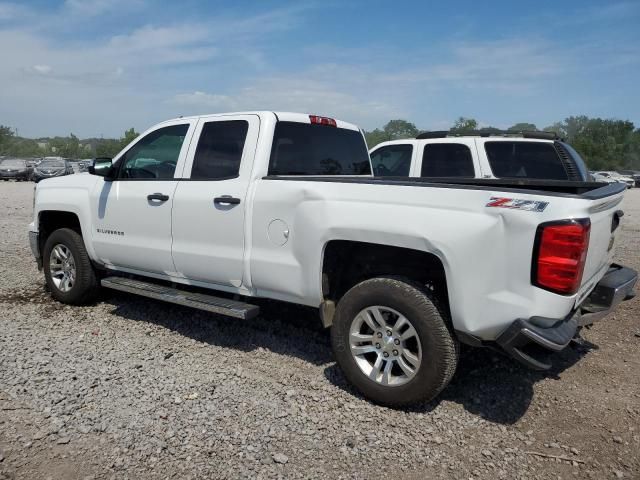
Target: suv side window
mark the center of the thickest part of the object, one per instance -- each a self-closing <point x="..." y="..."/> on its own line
<point x="155" y="156"/>
<point x="219" y="150"/>
<point x="392" y="160"/>
<point x="447" y="160"/>
<point x="525" y="159"/>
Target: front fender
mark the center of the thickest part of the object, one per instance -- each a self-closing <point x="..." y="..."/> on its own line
<point x="67" y="194"/>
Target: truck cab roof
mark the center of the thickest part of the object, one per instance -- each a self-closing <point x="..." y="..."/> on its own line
<point x="280" y="116"/>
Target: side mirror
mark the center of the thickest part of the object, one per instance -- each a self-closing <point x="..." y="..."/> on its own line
<point x="101" y="166"/>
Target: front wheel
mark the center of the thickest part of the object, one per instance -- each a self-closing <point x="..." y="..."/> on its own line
<point x="68" y="271"/>
<point x="392" y="343"/>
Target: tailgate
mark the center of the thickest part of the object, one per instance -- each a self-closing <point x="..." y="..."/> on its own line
<point x="605" y="217"/>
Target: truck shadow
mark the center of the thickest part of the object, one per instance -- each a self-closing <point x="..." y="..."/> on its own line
<point x="487" y="384"/>
<point x="282" y="328"/>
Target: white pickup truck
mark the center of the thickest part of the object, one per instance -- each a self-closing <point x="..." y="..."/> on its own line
<point x="211" y="211"/>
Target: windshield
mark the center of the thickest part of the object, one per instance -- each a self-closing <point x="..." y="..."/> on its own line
<point x="51" y="164"/>
<point x="306" y="149"/>
<point x="12" y="163"/>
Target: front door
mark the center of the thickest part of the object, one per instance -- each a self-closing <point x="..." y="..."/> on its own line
<point x="132" y="213"/>
<point x="210" y="202"/>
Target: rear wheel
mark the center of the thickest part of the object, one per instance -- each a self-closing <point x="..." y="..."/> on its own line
<point x="392" y="343"/>
<point x="68" y="271"/>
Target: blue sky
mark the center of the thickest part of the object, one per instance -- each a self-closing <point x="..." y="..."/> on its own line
<point x="97" y="67"/>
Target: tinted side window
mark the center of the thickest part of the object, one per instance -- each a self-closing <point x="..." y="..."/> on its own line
<point x="447" y="160"/>
<point x="155" y="156"/>
<point x="219" y="150"/>
<point x="525" y="160"/>
<point x="392" y="161"/>
<point x="307" y="149"/>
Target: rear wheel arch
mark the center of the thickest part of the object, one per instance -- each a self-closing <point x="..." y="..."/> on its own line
<point x="346" y="263"/>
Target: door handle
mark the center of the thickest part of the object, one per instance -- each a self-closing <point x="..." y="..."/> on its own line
<point x="158" y="196"/>
<point x="226" y="199"/>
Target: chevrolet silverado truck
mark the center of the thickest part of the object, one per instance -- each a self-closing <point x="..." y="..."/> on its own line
<point x="212" y="211"/>
<point x="495" y="154"/>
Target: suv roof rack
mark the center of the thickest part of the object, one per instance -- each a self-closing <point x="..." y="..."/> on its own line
<point x="490" y="133"/>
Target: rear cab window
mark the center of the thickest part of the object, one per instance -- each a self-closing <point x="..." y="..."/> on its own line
<point x="311" y="149"/>
<point x="525" y="159"/>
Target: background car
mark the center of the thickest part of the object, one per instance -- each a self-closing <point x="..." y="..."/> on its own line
<point x="635" y="174"/>
<point x="83" y="165"/>
<point x="611" y="177"/>
<point x="15" y="168"/>
<point x="52" y="167"/>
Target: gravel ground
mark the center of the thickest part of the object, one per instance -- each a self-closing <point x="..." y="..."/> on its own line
<point x="132" y="388"/>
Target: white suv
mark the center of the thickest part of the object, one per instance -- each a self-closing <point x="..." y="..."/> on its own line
<point x="532" y="155"/>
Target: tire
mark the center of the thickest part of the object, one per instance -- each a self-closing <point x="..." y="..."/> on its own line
<point x="433" y="342"/>
<point x="85" y="287"/>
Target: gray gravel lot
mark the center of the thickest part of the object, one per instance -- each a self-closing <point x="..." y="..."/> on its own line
<point x="133" y="388"/>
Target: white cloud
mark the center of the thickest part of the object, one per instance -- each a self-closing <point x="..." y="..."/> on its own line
<point x="100" y="85"/>
<point x="95" y="7"/>
<point x="41" y="69"/>
<point x="297" y="93"/>
<point x="53" y="83"/>
<point x="199" y="99"/>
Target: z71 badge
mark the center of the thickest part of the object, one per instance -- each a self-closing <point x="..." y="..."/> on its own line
<point x="517" y="204"/>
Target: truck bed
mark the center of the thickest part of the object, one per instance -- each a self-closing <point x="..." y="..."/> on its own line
<point x="589" y="190"/>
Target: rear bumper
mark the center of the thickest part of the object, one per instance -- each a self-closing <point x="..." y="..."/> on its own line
<point x="524" y="338"/>
<point x="617" y="285"/>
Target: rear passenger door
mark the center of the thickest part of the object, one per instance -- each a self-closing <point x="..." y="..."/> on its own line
<point x="210" y="201"/>
<point x="449" y="157"/>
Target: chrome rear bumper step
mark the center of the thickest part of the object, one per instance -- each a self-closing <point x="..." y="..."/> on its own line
<point x="201" y="301"/>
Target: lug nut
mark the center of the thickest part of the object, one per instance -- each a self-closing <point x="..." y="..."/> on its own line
<point x="377" y="345"/>
<point x="379" y="334"/>
<point x="388" y="333"/>
<point x="396" y="341"/>
<point x="386" y="354"/>
<point x="395" y="352"/>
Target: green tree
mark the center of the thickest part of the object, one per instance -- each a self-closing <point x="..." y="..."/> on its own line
<point x="523" y="127"/>
<point x="604" y="144"/>
<point x="107" y="147"/>
<point x="463" y="125"/>
<point x="393" y="130"/>
<point x="397" y="129"/>
<point x="6" y="139"/>
<point x="129" y="136"/>
<point x="489" y="129"/>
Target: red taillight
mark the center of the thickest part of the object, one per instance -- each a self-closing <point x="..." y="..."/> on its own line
<point x="559" y="255"/>
<point x="329" y="122"/>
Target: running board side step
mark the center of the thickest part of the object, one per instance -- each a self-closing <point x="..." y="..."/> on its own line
<point x="201" y="301"/>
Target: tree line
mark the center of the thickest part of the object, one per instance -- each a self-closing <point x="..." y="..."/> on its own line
<point x="604" y="144"/>
<point x="69" y="147"/>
